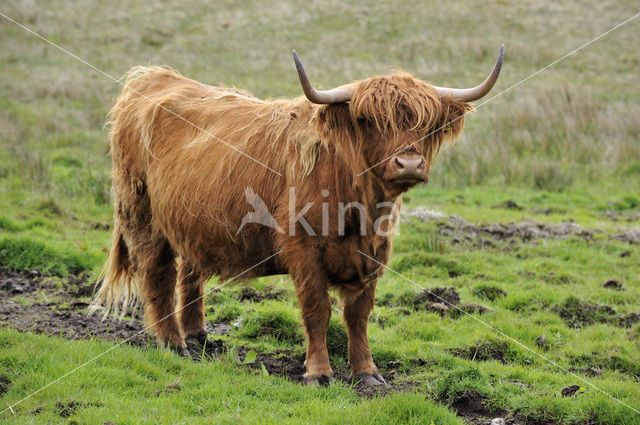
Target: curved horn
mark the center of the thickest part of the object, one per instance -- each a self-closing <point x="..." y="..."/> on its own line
<point x="477" y="92"/>
<point x="338" y="95"/>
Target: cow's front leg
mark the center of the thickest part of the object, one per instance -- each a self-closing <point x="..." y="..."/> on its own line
<point x="316" y="313"/>
<point x="357" y="307"/>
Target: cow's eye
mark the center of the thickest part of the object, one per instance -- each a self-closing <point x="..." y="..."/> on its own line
<point x="367" y="122"/>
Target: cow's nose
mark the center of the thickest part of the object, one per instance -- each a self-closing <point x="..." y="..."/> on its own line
<point x="410" y="165"/>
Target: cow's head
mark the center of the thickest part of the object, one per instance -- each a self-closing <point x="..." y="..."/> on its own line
<point x="399" y="121"/>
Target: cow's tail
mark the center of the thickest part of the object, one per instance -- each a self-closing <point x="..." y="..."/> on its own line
<point x="118" y="292"/>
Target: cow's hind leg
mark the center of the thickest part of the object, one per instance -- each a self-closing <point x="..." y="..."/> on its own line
<point x="158" y="284"/>
<point x="191" y="284"/>
<point x="357" y="307"/>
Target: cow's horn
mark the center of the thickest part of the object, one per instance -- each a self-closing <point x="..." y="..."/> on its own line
<point x="475" y="93"/>
<point x="338" y="95"/>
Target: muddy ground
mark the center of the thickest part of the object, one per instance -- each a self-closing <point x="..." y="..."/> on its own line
<point x="458" y="230"/>
<point x="58" y="307"/>
<point x="30" y="302"/>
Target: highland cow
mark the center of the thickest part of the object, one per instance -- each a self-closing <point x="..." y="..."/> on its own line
<point x="186" y="157"/>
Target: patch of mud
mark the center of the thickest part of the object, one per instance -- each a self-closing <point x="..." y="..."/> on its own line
<point x="4" y="384"/>
<point x="629" y="216"/>
<point x="508" y="205"/>
<point x="284" y="363"/>
<point x="254" y="296"/>
<point x="43" y="306"/>
<point x="445" y="300"/>
<point x="632" y="236"/>
<point x="591" y="371"/>
<point x="474" y="407"/>
<point x="19" y="283"/>
<point x="577" y="314"/>
<point x="613" y="284"/>
<point x="628" y="320"/>
<point x="469" y="308"/>
<point x="483" y="350"/>
<point x="280" y="363"/>
<point x="443" y="295"/>
<point x="489" y="292"/>
<point x="69" y="408"/>
<point x="461" y="230"/>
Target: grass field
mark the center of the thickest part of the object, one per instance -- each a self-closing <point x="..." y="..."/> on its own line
<point x="524" y="220"/>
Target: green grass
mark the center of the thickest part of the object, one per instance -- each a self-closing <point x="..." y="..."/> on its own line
<point x="127" y="386"/>
<point x="565" y="145"/>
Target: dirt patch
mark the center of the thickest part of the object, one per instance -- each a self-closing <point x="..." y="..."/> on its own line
<point x="508" y="205"/>
<point x="489" y="292"/>
<point x="4" y="384"/>
<point x="284" y="363"/>
<point x="19" y="283"/>
<point x="631" y="236"/>
<point x="577" y="314"/>
<point x="473" y="407"/>
<point x="589" y="371"/>
<point x="62" y="312"/>
<point x="628" y="320"/>
<point x="67" y="409"/>
<point x="281" y="363"/>
<point x="443" y="295"/>
<point x="629" y="216"/>
<point x="613" y="284"/>
<point x="483" y="350"/>
<point x="254" y="296"/>
<point x="445" y="300"/>
<point x="469" y="308"/>
<point x="460" y="230"/>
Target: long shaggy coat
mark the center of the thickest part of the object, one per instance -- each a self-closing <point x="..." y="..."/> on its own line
<point x="185" y="154"/>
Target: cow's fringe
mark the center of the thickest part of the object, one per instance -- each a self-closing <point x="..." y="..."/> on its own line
<point x="119" y="291"/>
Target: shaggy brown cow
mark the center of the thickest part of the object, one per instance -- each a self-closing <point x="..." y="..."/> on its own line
<point x="192" y="161"/>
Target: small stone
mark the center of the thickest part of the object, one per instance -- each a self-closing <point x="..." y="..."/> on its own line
<point x="625" y="254"/>
<point x="498" y="421"/>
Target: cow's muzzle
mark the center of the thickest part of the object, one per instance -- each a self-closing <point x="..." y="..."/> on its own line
<point x="407" y="169"/>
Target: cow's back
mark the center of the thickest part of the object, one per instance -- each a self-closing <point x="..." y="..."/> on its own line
<point x="184" y="154"/>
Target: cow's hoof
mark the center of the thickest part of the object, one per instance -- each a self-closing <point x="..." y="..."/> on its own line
<point x="197" y="340"/>
<point x="317" y="381"/>
<point x="198" y="344"/>
<point x="370" y="380"/>
<point x="183" y="352"/>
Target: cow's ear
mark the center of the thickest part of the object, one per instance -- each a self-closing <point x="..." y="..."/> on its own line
<point x="452" y="121"/>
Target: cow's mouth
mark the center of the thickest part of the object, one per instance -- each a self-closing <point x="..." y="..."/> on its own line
<point x="407" y="181"/>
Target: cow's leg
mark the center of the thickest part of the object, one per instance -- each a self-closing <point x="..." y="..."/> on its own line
<point x="191" y="304"/>
<point x="158" y="283"/>
<point x="312" y="287"/>
<point x="316" y="314"/>
<point x="357" y="307"/>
